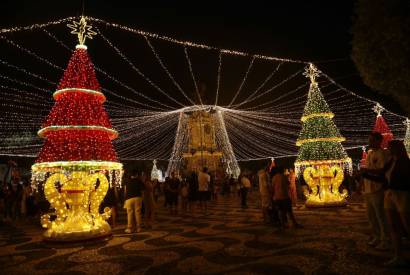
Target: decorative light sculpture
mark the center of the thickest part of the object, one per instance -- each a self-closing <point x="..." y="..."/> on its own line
<point x="407" y="136"/>
<point x="381" y="126"/>
<point x="77" y="162"/>
<point x="156" y="174"/>
<point x="321" y="157"/>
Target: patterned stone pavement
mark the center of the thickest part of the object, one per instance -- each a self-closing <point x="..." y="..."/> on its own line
<point x="228" y="240"/>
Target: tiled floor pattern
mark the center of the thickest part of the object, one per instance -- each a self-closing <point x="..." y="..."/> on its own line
<point x="228" y="240"/>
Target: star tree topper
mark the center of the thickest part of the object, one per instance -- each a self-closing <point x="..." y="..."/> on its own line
<point x="82" y="30"/>
<point x="378" y="109"/>
<point x="407" y="122"/>
<point x="312" y="72"/>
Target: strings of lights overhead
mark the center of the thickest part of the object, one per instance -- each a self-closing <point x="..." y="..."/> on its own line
<point x="258" y="104"/>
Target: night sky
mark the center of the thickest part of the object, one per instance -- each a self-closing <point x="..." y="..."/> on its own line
<point x="316" y="31"/>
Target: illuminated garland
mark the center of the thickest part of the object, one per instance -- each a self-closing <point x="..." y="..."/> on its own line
<point x="336" y="139"/>
<point x="58" y="93"/>
<point x="44" y="131"/>
<point x="76" y="165"/>
<point x="321" y="162"/>
<point x="328" y="115"/>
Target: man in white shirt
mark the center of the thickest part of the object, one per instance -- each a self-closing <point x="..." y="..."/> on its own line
<point x="203" y="188"/>
<point x="373" y="175"/>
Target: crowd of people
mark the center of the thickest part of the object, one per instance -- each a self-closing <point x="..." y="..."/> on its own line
<point x="383" y="182"/>
<point x="194" y="192"/>
<point x="17" y="199"/>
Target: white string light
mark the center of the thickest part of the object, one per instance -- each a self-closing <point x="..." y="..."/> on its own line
<point x="243" y="82"/>
<point x="192" y="75"/>
<point x="218" y="79"/>
<point x="167" y="71"/>
<point x="137" y="70"/>
<point x="150" y="128"/>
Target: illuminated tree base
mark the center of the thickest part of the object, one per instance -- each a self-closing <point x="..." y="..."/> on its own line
<point x="77" y="228"/>
<point x="75" y="196"/>
<point x="320" y="204"/>
<point x="324" y="182"/>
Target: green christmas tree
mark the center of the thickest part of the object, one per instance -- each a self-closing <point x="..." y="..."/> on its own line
<point x="319" y="139"/>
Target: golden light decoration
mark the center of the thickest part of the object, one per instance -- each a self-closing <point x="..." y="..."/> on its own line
<point x="312" y="72"/>
<point x="328" y="115"/>
<point x="324" y="182"/>
<point x="76" y="206"/>
<point x="337" y="139"/>
<point x="82" y="30"/>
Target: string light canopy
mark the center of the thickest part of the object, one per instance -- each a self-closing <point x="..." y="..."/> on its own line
<point x="261" y="98"/>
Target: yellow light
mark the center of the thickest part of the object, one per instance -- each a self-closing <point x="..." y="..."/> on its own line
<point x="82" y="30"/>
<point x="72" y="165"/>
<point x="320" y="162"/>
<point x="328" y="115"/>
<point x="76" y="206"/>
<point x="337" y="139"/>
<point x="324" y="183"/>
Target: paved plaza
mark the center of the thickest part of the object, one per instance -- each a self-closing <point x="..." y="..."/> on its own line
<point x="228" y="240"/>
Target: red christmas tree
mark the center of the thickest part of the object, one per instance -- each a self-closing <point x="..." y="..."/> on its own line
<point x="382" y="127"/>
<point x="364" y="156"/>
<point x="78" y="127"/>
<point x="272" y="164"/>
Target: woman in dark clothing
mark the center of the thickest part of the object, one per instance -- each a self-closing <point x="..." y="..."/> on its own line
<point x="192" y="191"/>
<point x="166" y="191"/>
<point x="397" y="199"/>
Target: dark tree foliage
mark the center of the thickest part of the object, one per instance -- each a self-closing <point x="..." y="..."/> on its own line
<point x="381" y="47"/>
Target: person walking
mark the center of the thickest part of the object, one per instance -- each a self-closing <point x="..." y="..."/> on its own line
<point x="397" y="199"/>
<point x="192" y="191"/>
<point x="25" y="196"/>
<point x="264" y="190"/>
<point x="184" y="196"/>
<point x="173" y="193"/>
<point x="157" y="189"/>
<point x="134" y="189"/>
<point x="374" y="179"/>
<point x="203" y="189"/>
<point x="149" y="203"/>
<point x="281" y="198"/>
<point x="244" y="189"/>
<point x="292" y="187"/>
